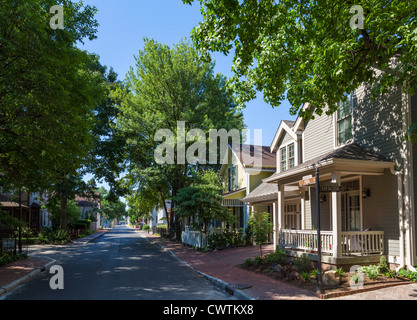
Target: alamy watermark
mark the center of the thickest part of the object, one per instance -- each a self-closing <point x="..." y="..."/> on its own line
<point x="356" y="22"/>
<point x="57" y="21"/>
<point x="57" y="280"/>
<point x="357" y="280"/>
<point x="172" y="149"/>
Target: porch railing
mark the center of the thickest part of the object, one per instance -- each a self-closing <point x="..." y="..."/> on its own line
<point x="352" y="242"/>
<point x="363" y="242"/>
<point x="307" y="240"/>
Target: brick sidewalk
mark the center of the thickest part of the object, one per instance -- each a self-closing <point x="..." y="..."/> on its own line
<point x="222" y="265"/>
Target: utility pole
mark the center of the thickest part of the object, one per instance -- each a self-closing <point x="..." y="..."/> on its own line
<point x="319" y="277"/>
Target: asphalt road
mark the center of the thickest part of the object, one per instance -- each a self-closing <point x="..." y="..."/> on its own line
<point x="120" y="265"/>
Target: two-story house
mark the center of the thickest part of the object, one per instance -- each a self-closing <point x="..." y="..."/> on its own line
<point x="244" y="170"/>
<point x="360" y="149"/>
<point x="89" y="207"/>
<point x="29" y="209"/>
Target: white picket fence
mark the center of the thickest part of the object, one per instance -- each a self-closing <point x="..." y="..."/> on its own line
<point x="194" y="238"/>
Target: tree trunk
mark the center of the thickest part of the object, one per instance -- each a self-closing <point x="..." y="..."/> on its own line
<point x="166" y="211"/>
<point x="64" y="218"/>
<point x="20" y="224"/>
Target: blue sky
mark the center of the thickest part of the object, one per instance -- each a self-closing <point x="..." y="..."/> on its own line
<point x="124" y="24"/>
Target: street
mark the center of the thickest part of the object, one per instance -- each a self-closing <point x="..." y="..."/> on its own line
<point x="120" y="265"/>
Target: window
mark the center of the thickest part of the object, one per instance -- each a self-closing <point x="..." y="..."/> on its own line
<point x="292" y="216"/>
<point x="291" y="159"/>
<point x="344" y="121"/>
<point x="232" y="177"/>
<point x="287" y="160"/>
<point x="283" y="159"/>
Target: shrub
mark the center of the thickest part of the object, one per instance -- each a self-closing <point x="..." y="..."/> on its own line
<point x="383" y="265"/>
<point x="355" y="278"/>
<point x="278" y="257"/>
<point x="259" y="260"/>
<point x="47" y="235"/>
<point x="145" y="227"/>
<point x="303" y="263"/>
<point x="248" y="238"/>
<point x="390" y="274"/>
<point x="410" y="275"/>
<point x="8" y="258"/>
<point x="248" y="262"/>
<point x="340" y="272"/>
<point x="372" y="271"/>
<point x="306" y="276"/>
<point x="314" y="273"/>
<point x="226" y="239"/>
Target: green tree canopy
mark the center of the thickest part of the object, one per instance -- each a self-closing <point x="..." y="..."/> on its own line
<point x="168" y="85"/>
<point x="110" y="208"/>
<point x="47" y="90"/>
<point x="307" y="51"/>
<point x="203" y="200"/>
<point x="261" y="227"/>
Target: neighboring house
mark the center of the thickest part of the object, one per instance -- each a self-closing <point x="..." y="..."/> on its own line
<point x="361" y="149"/>
<point x="90" y="206"/>
<point x="159" y="216"/>
<point x="30" y="205"/>
<point x="243" y="171"/>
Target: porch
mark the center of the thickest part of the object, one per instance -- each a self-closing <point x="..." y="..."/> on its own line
<point x="357" y="200"/>
<point x="357" y="243"/>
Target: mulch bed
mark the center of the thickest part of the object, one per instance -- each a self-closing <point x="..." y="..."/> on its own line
<point x="343" y="289"/>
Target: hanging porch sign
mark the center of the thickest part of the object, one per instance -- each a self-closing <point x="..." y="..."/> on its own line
<point x="331" y="187"/>
<point x="307" y="182"/>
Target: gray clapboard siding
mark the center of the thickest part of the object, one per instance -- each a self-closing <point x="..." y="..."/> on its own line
<point x="380" y="210"/>
<point x="318" y="137"/>
<point x="377" y="124"/>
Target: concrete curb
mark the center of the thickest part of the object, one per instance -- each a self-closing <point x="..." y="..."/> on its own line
<point x="12" y="285"/>
<point x="226" y="287"/>
<point x="88" y="239"/>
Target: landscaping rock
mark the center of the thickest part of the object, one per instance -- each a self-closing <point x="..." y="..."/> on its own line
<point x="277" y="268"/>
<point x="331" y="278"/>
<point x="293" y="275"/>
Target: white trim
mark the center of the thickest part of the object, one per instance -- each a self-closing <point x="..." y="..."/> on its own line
<point x="247" y="183"/>
<point x="287" y="159"/>
<point x="256" y="169"/>
<point x="408" y="188"/>
<point x="283" y="126"/>
<point x="300" y="119"/>
<point x="233" y="192"/>
<point x="360" y="200"/>
<point x="336" y="127"/>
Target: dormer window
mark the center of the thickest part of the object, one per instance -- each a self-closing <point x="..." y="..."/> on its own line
<point x="287" y="157"/>
<point x="344" y="121"/>
<point x="283" y="159"/>
<point x="291" y="156"/>
<point x="232" y="177"/>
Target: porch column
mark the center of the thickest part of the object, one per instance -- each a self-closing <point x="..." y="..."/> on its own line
<point x="303" y="212"/>
<point x="275" y="221"/>
<point x="280" y="210"/>
<point x="336" y="217"/>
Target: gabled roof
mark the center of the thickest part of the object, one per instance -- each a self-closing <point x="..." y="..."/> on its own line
<point x="10" y="204"/>
<point x="88" y="201"/>
<point x="284" y="127"/>
<point x="269" y="192"/>
<point x="351" y="151"/>
<point x="244" y="152"/>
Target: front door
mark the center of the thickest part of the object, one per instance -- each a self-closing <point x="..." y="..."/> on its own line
<point x="351" y="211"/>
